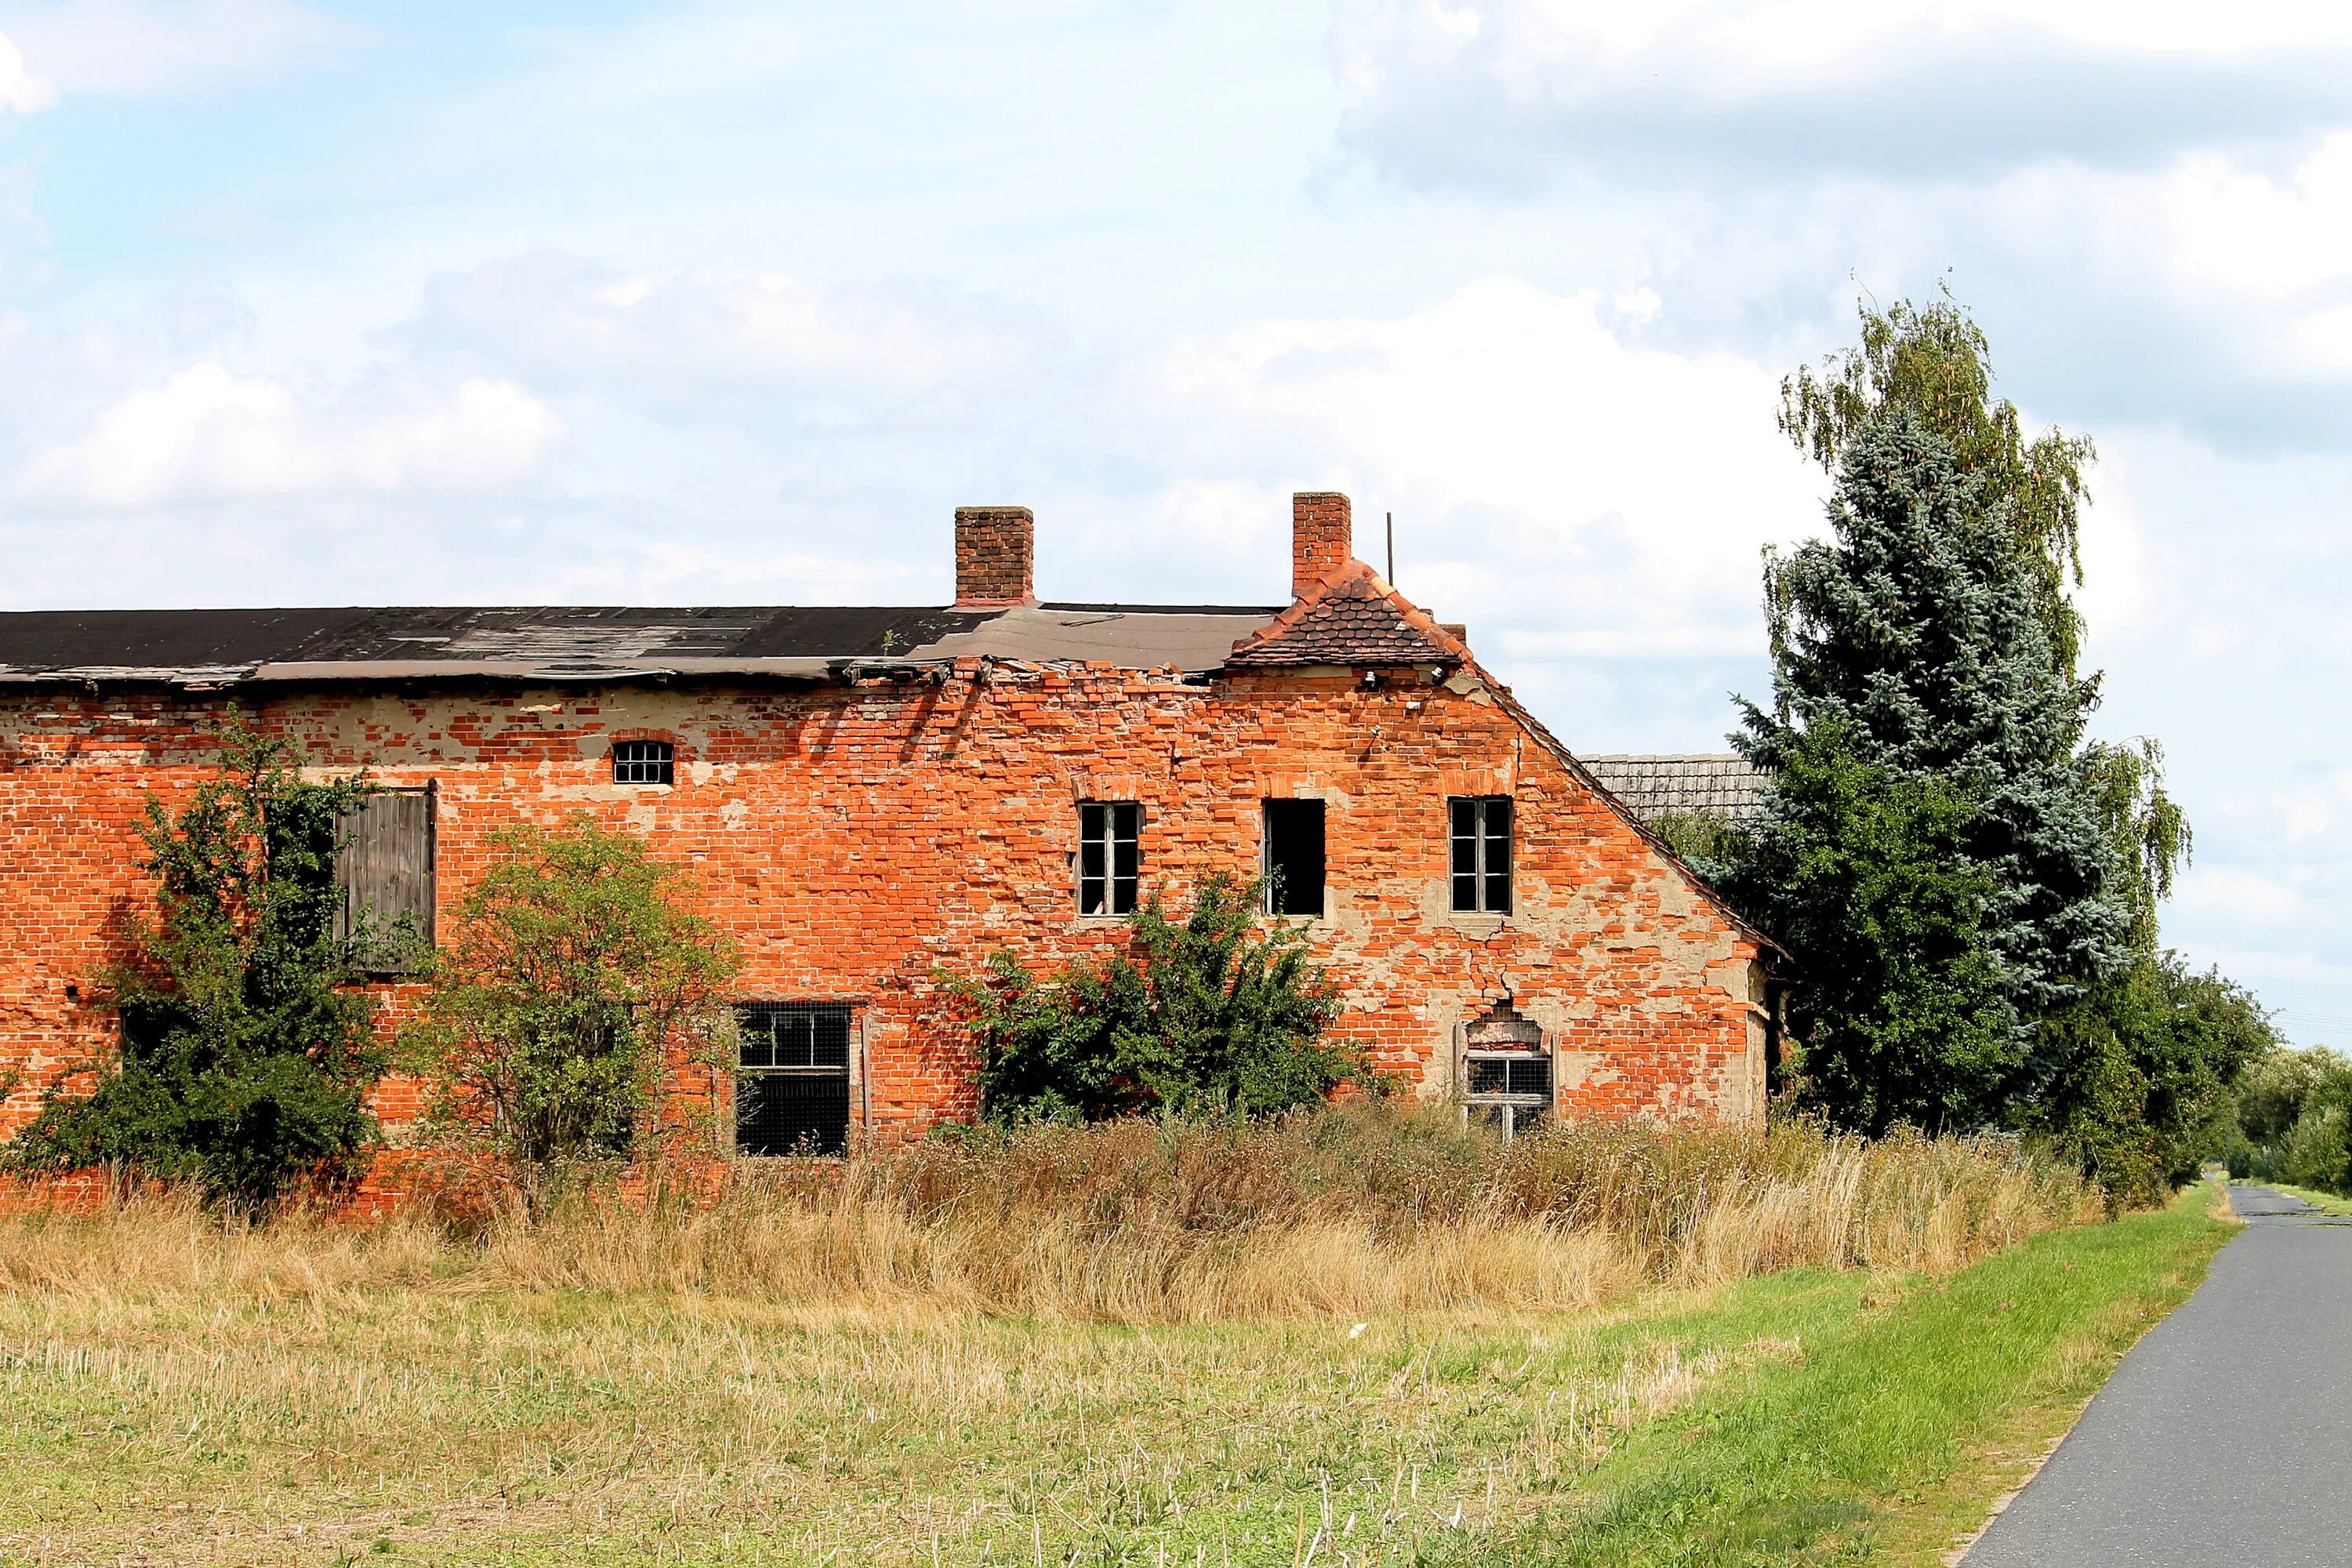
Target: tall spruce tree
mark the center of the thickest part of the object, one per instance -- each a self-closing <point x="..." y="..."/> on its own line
<point x="1970" y="879"/>
<point x="1912" y="643"/>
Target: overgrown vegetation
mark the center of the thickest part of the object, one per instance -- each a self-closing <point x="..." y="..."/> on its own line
<point x="2294" y="1121"/>
<point x="1968" y="881"/>
<point x="577" y="970"/>
<point x="1206" y="1012"/>
<point x="1359" y="1332"/>
<point x="245" y="1045"/>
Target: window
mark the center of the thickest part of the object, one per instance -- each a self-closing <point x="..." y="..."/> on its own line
<point x="384" y="866"/>
<point x="1294" y="857"/>
<point x="1111" y="856"/>
<point x="791" y="1089"/>
<point x="1510" y="1090"/>
<point x="1482" y="853"/>
<point x="644" y="762"/>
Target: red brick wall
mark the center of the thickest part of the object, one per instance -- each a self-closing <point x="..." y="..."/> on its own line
<point x="853" y="840"/>
<point x="1321" y="538"/>
<point x="994" y="551"/>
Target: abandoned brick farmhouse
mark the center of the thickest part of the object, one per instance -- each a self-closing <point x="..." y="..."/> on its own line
<point x="868" y="794"/>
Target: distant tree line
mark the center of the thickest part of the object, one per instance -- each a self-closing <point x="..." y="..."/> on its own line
<point x="2294" y="1121"/>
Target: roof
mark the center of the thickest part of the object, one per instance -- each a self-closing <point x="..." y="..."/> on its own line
<point x="1720" y="785"/>
<point x="1351" y="617"/>
<point x="584" y="642"/>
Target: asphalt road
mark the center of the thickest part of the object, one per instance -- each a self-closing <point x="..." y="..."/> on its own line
<point x="2225" y="1436"/>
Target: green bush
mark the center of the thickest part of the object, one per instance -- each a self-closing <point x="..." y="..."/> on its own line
<point x="2153" y="1092"/>
<point x="2293" y="1121"/>
<point x="575" y="966"/>
<point x="245" y="1048"/>
<point x="1205" y="1013"/>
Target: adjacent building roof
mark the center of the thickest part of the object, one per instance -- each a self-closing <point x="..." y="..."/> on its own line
<point x="580" y="642"/>
<point x="1722" y="786"/>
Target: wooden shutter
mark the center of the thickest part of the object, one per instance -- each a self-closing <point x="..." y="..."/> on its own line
<point x="385" y="869"/>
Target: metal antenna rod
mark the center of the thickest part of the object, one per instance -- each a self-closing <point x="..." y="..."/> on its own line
<point x="1391" y="517"/>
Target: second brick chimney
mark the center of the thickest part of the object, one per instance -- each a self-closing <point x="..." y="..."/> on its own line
<point x="1321" y="538"/>
<point x="994" y="545"/>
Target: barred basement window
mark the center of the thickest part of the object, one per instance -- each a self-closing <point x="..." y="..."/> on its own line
<point x="1509" y="1091"/>
<point x="1482" y="853"/>
<point x="644" y="762"/>
<point x="1294" y="857"/>
<point x="384" y="866"/>
<point x="1110" y="856"/>
<point x="792" y="1083"/>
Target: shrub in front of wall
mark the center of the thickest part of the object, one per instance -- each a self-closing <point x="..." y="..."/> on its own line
<point x="1205" y="1012"/>
<point x="245" y="1047"/>
<point x="577" y="965"/>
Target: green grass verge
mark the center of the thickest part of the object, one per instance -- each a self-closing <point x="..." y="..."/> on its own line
<point x="1904" y="1423"/>
<point x="1807" y="1417"/>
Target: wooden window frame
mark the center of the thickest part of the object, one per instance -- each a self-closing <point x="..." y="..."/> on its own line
<point x="847" y="1072"/>
<point x="1512" y="1110"/>
<point x="1481" y="854"/>
<point x="1106" y="828"/>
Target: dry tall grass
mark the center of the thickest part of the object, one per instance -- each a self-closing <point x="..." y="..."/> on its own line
<point x="1353" y="1212"/>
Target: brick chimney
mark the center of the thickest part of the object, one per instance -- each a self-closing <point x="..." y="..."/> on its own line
<point x="1319" y="538"/>
<point x="993" y="557"/>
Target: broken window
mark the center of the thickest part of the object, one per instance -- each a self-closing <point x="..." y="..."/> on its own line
<point x="384" y="866"/>
<point x="644" y="762"/>
<point x="1111" y="856"/>
<point x="792" y="1083"/>
<point x="1294" y="857"/>
<point x="1507" y="1090"/>
<point x="1482" y="853"/>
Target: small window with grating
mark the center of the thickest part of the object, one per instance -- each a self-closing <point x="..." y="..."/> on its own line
<point x="1507" y="1090"/>
<point x="1110" y="856"/>
<point x="644" y="762"/>
<point x="792" y="1083"/>
<point x="1482" y="853"/>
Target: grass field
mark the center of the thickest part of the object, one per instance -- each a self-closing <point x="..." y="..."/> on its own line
<point x="330" y="1403"/>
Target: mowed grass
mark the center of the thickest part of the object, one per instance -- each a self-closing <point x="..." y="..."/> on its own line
<point x="171" y="1393"/>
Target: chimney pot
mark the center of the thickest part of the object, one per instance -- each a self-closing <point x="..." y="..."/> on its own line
<point x="995" y="547"/>
<point x="1321" y="538"/>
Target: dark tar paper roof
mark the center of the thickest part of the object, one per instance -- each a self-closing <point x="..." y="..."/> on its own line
<point x="580" y="642"/>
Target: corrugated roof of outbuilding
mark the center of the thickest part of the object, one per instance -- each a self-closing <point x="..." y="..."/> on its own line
<point x="1720" y="785"/>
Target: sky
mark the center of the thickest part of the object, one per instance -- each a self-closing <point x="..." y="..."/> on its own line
<point x="606" y="302"/>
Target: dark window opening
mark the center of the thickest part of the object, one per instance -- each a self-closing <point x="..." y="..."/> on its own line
<point x="384" y="866"/>
<point x="1110" y="856"/>
<point x="1507" y="1090"/>
<point x="644" y="762"/>
<point x="1294" y="857"/>
<point x="791" y="1086"/>
<point x="1482" y="853"/>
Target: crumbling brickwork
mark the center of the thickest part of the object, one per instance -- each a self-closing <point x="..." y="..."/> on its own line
<point x="858" y="837"/>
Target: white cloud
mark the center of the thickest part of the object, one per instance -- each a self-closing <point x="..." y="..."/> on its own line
<point x="701" y="330"/>
<point x="21" y="93"/>
<point x="1526" y="93"/>
<point x="2238" y="896"/>
<point x="152" y="48"/>
<point x="208" y="432"/>
<point x="1549" y="473"/>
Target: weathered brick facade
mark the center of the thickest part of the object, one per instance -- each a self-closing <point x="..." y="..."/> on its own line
<point x="860" y="831"/>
